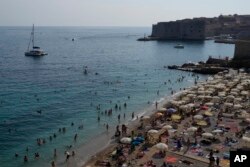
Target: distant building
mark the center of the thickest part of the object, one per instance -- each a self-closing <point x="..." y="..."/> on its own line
<point x="201" y="28"/>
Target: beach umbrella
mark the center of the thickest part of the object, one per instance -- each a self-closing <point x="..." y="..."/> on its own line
<point x="208" y="113"/>
<point x="204" y="107"/>
<point x="207" y="135"/>
<point x="202" y="123"/>
<point x="161" y="146"/>
<point x="245" y="93"/>
<point x="201" y="96"/>
<point x="191" y="95"/>
<point x="247" y="120"/>
<point x="176" y="117"/>
<point x="162" y="109"/>
<point x="237" y="106"/>
<point x="171" y="110"/>
<point x="230" y="97"/>
<point x="234" y="93"/>
<point x="152" y="131"/>
<point x="209" y="104"/>
<point x="238" y="99"/>
<point x="159" y="114"/>
<point x="126" y="140"/>
<point x="198" y="116"/>
<point x="192" y="129"/>
<point x="190" y="105"/>
<point x="216" y="98"/>
<point x="145" y="117"/>
<point x="208" y="97"/>
<point x="167" y="127"/>
<point x="228" y="104"/>
<point x="217" y="131"/>
<point x="183" y="107"/>
<point x="247" y="139"/>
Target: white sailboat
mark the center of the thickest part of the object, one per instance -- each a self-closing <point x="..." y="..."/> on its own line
<point x="35" y="50"/>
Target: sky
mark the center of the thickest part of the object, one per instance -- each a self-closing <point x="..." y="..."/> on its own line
<point x="112" y="12"/>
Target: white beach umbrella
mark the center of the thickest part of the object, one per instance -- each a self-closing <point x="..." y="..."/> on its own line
<point x="161" y="146"/>
<point x="247" y="139"/>
<point x="245" y="93"/>
<point x="126" y="140"/>
<point x="217" y="131"/>
<point x="237" y="106"/>
<point x="228" y="104"/>
<point x="162" y="109"/>
<point x="230" y="97"/>
<point x="152" y="131"/>
<point x="167" y="127"/>
<point x="234" y="93"/>
<point x="191" y="95"/>
<point x="201" y="96"/>
<point x="145" y="117"/>
<point x="183" y="107"/>
<point x="207" y="135"/>
<point x="247" y="120"/>
<point x="198" y="116"/>
<point x="238" y="99"/>
<point x="190" y="105"/>
<point x="216" y="98"/>
<point x="192" y="129"/>
<point x="208" y="97"/>
<point x="209" y="104"/>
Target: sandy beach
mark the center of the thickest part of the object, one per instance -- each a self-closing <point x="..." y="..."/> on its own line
<point x="204" y="121"/>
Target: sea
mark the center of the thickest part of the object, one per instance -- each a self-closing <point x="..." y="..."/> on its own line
<point x="38" y="96"/>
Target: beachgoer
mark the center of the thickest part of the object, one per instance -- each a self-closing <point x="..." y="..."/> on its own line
<point x="218" y="161"/>
<point x="119" y="117"/>
<point x="75" y="137"/>
<point x="25" y="159"/>
<point x="73" y="153"/>
<point x="133" y="115"/>
<point x="55" y="153"/>
<point x="53" y="164"/>
<point x="125" y="105"/>
<point x="156" y="105"/>
<point x="16" y="155"/>
<point x="107" y="127"/>
<point x="67" y="156"/>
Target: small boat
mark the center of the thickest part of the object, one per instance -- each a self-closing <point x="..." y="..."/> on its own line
<point x="179" y="46"/>
<point x="35" y="51"/>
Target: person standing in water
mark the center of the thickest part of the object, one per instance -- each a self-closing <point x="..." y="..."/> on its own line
<point x="156" y="105"/>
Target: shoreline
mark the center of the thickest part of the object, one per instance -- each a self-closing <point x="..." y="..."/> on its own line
<point x="132" y="124"/>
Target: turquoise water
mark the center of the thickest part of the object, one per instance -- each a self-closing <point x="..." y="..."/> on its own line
<point x="56" y="84"/>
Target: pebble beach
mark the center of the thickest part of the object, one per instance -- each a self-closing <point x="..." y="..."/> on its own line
<point x="196" y="127"/>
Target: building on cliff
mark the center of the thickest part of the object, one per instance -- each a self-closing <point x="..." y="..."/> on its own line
<point x="201" y="28"/>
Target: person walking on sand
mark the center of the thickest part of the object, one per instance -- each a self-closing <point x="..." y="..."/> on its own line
<point x="133" y="115"/>
<point x="156" y="105"/>
<point x="218" y="161"/>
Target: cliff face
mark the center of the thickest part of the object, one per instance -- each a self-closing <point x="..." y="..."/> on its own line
<point x="200" y="28"/>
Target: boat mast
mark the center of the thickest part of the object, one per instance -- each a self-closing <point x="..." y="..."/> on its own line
<point x="33" y="35"/>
